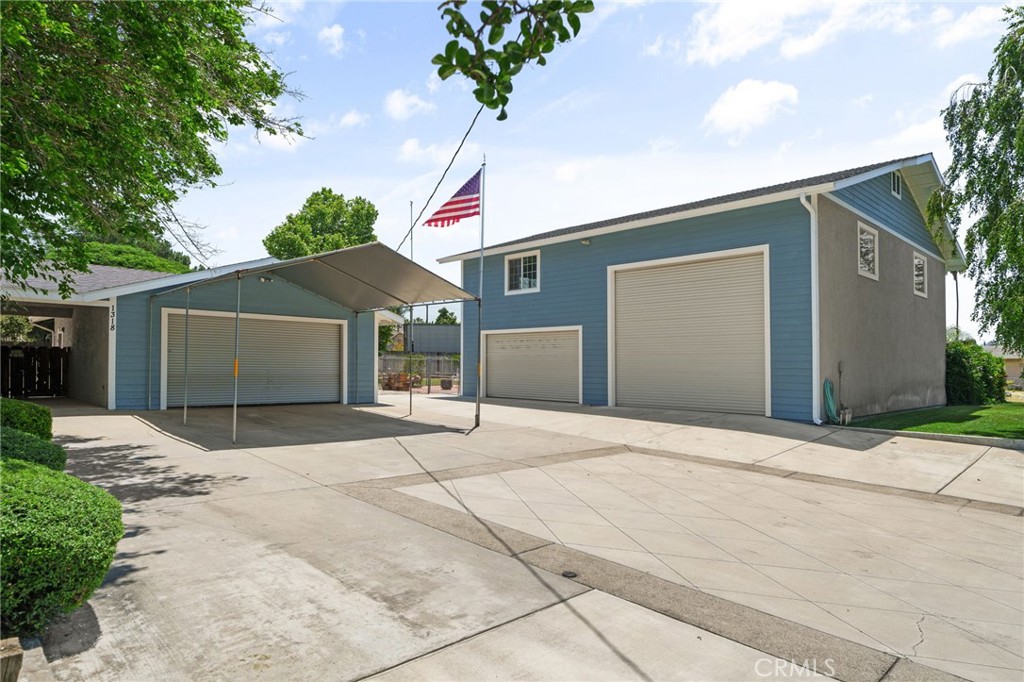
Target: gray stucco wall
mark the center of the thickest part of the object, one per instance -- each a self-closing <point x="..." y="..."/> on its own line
<point x="890" y="341"/>
<point x="87" y="367"/>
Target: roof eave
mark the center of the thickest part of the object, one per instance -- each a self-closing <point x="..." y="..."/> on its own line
<point x="645" y="222"/>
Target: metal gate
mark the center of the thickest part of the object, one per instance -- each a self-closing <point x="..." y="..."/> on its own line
<point x="33" y="371"/>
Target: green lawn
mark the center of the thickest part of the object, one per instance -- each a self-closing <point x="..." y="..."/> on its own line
<point x="1003" y="420"/>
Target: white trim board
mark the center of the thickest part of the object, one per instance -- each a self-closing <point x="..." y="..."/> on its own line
<point x="112" y="355"/>
<point x="642" y="222"/>
<point x="578" y="328"/>
<point x="520" y="255"/>
<point x="166" y="312"/>
<point x="762" y="249"/>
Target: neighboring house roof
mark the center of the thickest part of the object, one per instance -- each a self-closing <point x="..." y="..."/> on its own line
<point x="99" y="277"/>
<point x="921" y="184"/>
<point x="1001" y="352"/>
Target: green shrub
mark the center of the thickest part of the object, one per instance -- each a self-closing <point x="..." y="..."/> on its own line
<point x="27" y="417"/>
<point x="29" y="448"/>
<point x="973" y="377"/>
<point x="58" y="535"/>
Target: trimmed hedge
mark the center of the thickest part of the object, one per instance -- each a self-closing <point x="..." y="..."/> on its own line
<point x="27" y="417"/>
<point x="59" y="536"/>
<point x="15" y="444"/>
<point x="973" y="376"/>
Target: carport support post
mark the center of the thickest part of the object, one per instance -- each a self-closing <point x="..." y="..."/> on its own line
<point x="238" y="313"/>
<point x="188" y="305"/>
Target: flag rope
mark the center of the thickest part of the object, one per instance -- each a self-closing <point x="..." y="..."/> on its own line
<point x="438" y="185"/>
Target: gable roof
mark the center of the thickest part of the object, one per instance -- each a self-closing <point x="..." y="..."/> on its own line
<point x="99" y="277"/>
<point x="924" y="183"/>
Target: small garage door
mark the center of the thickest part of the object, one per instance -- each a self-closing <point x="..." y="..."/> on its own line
<point x="534" y="365"/>
<point x="280" y="361"/>
<point x="692" y="336"/>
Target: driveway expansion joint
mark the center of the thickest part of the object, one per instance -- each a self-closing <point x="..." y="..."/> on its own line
<point x="745" y="625"/>
<point x="1009" y="509"/>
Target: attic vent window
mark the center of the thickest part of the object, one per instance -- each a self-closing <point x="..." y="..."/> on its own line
<point x="896" y="184"/>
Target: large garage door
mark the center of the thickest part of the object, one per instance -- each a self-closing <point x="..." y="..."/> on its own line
<point x="280" y="361"/>
<point x="692" y="336"/>
<point x="534" y="365"/>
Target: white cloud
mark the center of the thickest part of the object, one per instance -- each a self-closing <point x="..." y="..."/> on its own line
<point x="332" y="37"/>
<point x="412" y="151"/>
<point x="749" y="105"/>
<point x="662" y="46"/>
<point x="729" y="30"/>
<point x="980" y="22"/>
<point x="862" y="101"/>
<point x="400" y="105"/>
<point x="318" y="127"/>
<point x="433" y="82"/>
<point x="277" y="38"/>
<point x="353" y="118"/>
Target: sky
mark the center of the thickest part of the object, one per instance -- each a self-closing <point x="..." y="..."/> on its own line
<point x="654" y="104"/>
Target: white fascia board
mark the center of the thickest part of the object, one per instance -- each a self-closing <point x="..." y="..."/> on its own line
<point x="643" y="222"/>
<point x="388" y="318"/>
<point x="857" y="179"/>
<point x="175" y="280"/>
<point x="20" y="295"/>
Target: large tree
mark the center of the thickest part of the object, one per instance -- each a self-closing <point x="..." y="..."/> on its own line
<point x="985" y="129"/>
<point x="109" y="109"/>
<point x="327" y="221"/>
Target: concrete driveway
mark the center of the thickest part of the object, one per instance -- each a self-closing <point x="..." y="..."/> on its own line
<point x="335" y="542"/>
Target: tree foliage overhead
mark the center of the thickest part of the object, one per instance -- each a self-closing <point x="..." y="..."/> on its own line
<point x="108" y="112"/>
<point x="985" y="129"/>
<point x="327" y="221"/>
<point x="478" y="53"/>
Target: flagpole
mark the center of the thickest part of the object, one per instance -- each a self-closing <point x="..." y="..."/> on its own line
<point x="409" y="341"/>
<point x="480" y="296"/>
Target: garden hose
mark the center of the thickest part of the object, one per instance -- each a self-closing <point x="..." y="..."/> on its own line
<point x="830" y="403"/>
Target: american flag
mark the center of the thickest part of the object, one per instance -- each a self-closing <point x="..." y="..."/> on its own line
<point x="463" y="204"/>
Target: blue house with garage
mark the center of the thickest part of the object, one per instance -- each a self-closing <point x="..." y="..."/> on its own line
<point x="260" y="332"/>
<point x="740" y="303"/>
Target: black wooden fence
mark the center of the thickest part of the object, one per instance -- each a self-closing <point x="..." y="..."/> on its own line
<point x="29" y="371"/>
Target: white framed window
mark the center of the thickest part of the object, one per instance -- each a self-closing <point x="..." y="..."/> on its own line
<point x="867" y="251"/>
<point x="522" y="273"/>
<point x="896" y="184"/>
<point x="920" y="275"/>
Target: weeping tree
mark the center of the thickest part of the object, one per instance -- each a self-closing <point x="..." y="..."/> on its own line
<point x="985" y="129"/>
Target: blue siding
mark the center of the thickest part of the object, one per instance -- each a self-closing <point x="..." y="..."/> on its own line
<point x="874" y="198"/>
<point x="574" y="291"/>
<point x="278" y="297"/>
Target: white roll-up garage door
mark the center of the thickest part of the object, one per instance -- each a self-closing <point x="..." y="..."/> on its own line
<point x="691" y="335"/>
<point x="279" y="360"/>
<point x="536" y="365"/>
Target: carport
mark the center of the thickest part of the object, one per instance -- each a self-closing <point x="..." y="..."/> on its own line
<point x="363" y="279"/>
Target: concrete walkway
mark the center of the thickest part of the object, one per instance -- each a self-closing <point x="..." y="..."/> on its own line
<point x="296" y="554"/>
<point x="973" y="472"/>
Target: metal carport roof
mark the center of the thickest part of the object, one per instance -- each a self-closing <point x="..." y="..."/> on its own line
<point x="361" y="278"/>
